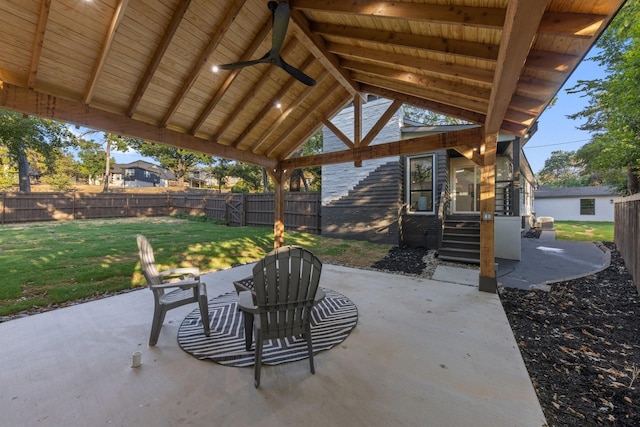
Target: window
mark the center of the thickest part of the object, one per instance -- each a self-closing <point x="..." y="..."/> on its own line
<point x="419" y="184"/>
<point x="147" y="174"/>
<point x="129" y="172"/>
<point x="587" y="206"/>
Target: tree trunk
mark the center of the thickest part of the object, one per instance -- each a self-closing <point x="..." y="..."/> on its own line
<point x="633" y="186"/>
<point x="23" y="171"/>
<point x="265" y="182"/>
<point x="107" y="168"/>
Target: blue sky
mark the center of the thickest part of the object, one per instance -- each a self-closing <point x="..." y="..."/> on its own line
<point x="555" y="130"/>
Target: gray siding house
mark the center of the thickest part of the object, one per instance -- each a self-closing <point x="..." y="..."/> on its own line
<point x="140" y="174"/>
<point x="426" y="200"/>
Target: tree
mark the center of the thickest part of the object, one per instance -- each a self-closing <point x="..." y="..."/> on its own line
<point x="562" y="169"/>
<point x="20" y="133"/>
<point x="220" y="170"/>
<point x="249" y="174"/>
<point x="426" y="117"/>
<point x="177" y="160"/>
<point x="92" y="160"/>
<point x="614" y="101"/>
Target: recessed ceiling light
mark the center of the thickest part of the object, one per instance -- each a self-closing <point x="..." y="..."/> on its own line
<point x="215" y="69"/>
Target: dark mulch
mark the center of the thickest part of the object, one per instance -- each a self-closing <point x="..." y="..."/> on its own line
<point x="580" y="342"/>
<point x="402" y="260"/>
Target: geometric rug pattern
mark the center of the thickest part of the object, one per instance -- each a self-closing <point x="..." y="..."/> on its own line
<point x="331" y="322"/>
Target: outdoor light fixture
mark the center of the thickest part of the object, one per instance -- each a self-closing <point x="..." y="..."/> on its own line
<point x="215" y="69"/>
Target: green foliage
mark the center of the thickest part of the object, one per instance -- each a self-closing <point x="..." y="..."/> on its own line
<point x="563" y="169"/>
<point x="59" y="182"/>
<point x="20" y="134"/>
<point x="427" y="117"/>
<point x="241" y="187"/>
<point x="612" y="113"/>
<point x="220" y="170"/>
<point x="250" y="175"/>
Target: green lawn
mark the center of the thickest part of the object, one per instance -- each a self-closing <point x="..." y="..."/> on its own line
<point x="55" y="262"/>
<point x="584" y="231"/>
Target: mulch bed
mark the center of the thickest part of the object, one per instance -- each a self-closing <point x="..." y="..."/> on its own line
<point x="581" y="345"/>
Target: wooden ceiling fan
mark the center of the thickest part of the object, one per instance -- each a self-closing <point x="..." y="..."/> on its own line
<point x="280" y="20"/>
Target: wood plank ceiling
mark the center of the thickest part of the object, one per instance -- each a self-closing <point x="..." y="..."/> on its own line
<point x="144" y="67"/>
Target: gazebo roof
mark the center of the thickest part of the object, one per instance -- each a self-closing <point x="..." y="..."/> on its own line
<point x="144" y="67"/>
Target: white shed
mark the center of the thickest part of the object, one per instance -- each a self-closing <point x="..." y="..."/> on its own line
<point x="575" y="203"/>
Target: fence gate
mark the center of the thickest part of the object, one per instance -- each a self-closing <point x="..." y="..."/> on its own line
<point x="235" y="210"/>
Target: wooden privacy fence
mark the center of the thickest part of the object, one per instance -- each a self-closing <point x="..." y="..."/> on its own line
<point x="301" y="211"/>
<point x="627" y="233"/>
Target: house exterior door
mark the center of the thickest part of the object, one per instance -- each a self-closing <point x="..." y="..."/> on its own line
<point x="465" y="177"/>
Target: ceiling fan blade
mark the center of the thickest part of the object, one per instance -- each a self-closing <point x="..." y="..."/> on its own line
<point x="296" y="73"/>
<point x="280" y="24"/>
<point x="241" y="64"/>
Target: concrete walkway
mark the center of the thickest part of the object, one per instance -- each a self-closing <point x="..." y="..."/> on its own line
<point x="424" y="353"/>
<point x="547" y="260"/>
<point x="544" y="261"/>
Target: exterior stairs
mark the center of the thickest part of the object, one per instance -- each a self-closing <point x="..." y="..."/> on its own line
<point x="461" y="239"/>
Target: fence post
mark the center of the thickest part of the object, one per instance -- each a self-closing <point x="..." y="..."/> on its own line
<point x="4" y="195"/>
<point x="243" y="220"/>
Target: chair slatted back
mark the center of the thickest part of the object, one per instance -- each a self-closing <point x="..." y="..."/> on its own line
<point x="147" y="261"/>
<point x="286" y="281"/>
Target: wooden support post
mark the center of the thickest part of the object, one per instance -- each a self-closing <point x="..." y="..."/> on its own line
<point x="488" y="282"/>
<point x="279" y="177"/>
<point x="357" y="128"/>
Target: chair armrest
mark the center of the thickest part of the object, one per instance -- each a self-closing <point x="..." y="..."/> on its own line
<point x="184" y="284"/>
<point x="193" y="271"/>
<point x="245" y="302"/>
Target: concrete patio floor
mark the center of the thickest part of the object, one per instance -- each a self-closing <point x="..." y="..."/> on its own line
<point x="424" y="353"/>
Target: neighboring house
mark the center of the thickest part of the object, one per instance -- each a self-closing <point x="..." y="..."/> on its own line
<point x="429" y="199"/>
<point x="200" y="178"/>
<point x="140" y="174"/>
<point x="576" y="203"/>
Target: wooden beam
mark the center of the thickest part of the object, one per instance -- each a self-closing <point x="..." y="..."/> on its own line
<point x="201" y="63"/>
<point x="337" y="132"/>
<point x="43" y="17"/>
<point x="331" y="111"/>
<point x="447" y="98"/>
<point x="552" y="61"/>
<point x="397" y="148"/>
<point x="106" y="47"/>
<point x="167" y="36"/>
<point x="270" y="108"/>
<point x="448" y="14"/>
<point x="381" y="123"/>
<point x="315" y="44"/>
<point x="520" y="30"/>
<point x="437" y="107"/>
<point x="412" y="63"/>
<point x="471" y="153"/>
<point x="222" y="90"/>
<point x="488" y="281"/>
<point x="285" y="114"/>
<point x="473" y="50"/>
<point x="419" y="79"/>
<point x="251" y="93"/>
<point x="577" y="25"/>
<point x="50" y="107"/>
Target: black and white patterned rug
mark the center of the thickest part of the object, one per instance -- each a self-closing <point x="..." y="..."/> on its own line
<point x="332" y="321"/>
